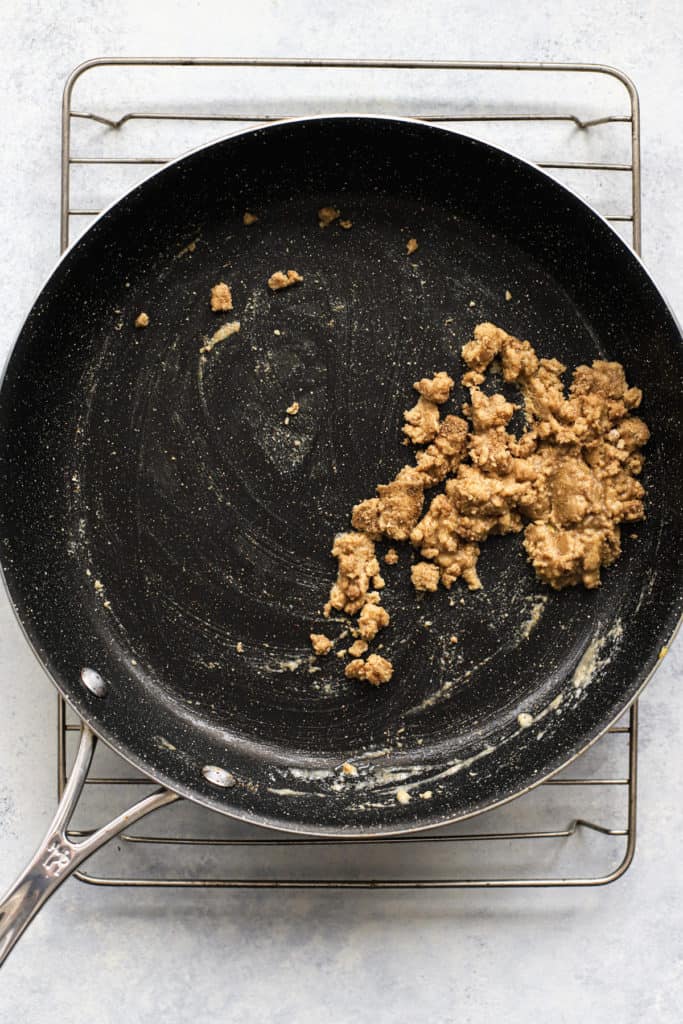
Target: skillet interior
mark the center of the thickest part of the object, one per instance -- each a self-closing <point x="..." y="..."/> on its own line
<point x="172" y="480"/>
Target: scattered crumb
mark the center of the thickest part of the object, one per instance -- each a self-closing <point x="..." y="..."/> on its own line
<point x="471" y="303"/>
<point x="402" y="795"/>
<point x="249" y="218"/>
<point x="293" y="409"/>
<point x="391" y="557"/>
<point x="663" y="652"/>
<point x="277" y="331"/>
<point x="278" y="280"/>
<point x="239" y="647"/>
<point x="346" y="224"/>
<point x="221" y="298"/>
<point x="454" y="639"/>
<point x="412" y="246"/>
<point x="349" y="769"/>
<point x="342" y="653"/>
<point x="220" y="335"/>
<point x="320" y="643"/>
<point x="142" y="320"/>
<point x="357" y="648"/>
<point x="98" y="585"/>
<point x="106" y="604"/>
<point x="327" y="214"/>
<point x="427" y="795"/>
<point x="525" y="720"/>
<point x="286" y="421"/>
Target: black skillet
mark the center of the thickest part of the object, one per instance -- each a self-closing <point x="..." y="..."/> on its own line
<point x="165" y="528"/>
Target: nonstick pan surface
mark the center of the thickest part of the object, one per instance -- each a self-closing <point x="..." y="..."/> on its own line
<point x="163" y="526"/>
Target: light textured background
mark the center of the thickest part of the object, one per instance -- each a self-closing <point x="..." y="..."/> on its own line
<point x="594" y="955"/>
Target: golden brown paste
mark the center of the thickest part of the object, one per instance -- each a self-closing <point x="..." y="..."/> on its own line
<point x="568" y="481"/>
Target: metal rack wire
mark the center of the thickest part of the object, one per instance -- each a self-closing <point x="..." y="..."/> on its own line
<point x="521" y="845"/>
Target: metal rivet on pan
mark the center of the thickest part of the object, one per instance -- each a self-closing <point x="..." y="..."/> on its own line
<point x="94" y="682"/>
<point x="218" y="776"/>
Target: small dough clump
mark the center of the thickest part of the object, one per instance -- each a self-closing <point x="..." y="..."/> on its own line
<point x="221" y="298"/>
<point x="249" y="218"/>
<point x="412" y="246"/>
<point x="435" y="389"/>
<point x="365" y="518"/>
<point x="278" y="280"/>
<point x="321" y="644"/>
<point x="371" y="619"/>
<point x="375" y="669"/>
<point x="142" y="320"/>
<point x="326" y="215"/>
<point x="438" y="540"/>
<point x="425" y="576"/>
<point x="400" y="504"/>
<point x="355" y="553"/>
<point x="422" y="421"/>
<point x="445" y="453"/>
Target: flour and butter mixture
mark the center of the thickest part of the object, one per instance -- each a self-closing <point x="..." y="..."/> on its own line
<point x="568" y="481"/>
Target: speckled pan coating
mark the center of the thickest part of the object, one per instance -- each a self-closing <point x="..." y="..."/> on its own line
<point x="161" y="524"/>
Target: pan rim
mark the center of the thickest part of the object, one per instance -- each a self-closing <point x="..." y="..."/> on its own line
<point x="158" y="776"/>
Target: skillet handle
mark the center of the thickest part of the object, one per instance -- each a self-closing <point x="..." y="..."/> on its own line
<point x="57" y="857"/>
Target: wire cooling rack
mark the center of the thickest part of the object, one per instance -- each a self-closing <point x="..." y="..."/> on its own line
<point x="122" y="117"/>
